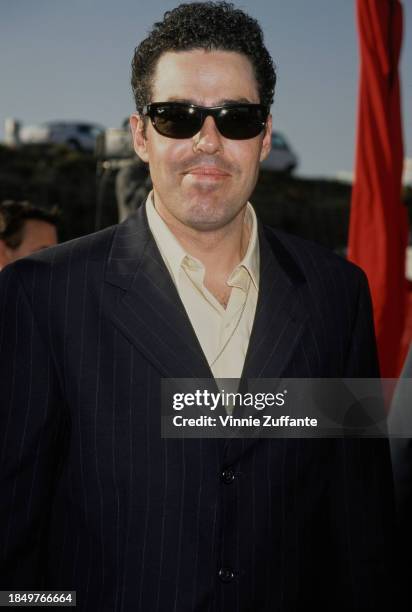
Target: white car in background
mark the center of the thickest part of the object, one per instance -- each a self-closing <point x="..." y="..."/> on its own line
<point x="281" y="158"/>
<point x="116" y="143"/>
<point x="78" y="135"/>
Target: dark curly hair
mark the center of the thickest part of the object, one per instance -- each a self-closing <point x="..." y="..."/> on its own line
<point x="13" y="216"/>
<point x="203" y="25"/>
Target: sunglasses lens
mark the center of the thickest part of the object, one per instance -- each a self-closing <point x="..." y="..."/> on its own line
<point x="241" y="122"/>
<point x="176" y="121"/>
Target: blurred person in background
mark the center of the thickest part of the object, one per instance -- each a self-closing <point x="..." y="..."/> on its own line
<point x="25" y="229"/>
<point x="133" y="184"/>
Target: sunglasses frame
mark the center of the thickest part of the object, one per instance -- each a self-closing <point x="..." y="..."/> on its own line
<point x="202" y="112"/>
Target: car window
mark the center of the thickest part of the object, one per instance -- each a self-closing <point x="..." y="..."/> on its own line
<point x="278" y="142"/>
<point x="84" y="129"/>
<point x="95" y="130"/>
<point x="90" y="130"/>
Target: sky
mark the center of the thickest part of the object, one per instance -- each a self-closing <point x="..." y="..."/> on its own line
<point x="71" y="60"/>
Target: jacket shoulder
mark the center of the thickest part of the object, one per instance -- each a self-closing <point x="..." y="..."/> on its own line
<point x="310" y="259"/>
<point x="92" y="247"/>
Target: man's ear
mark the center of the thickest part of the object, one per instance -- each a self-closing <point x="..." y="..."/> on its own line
<point x="4" y="257"/>
<point x="139" y="139"/>
<point x="267" y="139"/>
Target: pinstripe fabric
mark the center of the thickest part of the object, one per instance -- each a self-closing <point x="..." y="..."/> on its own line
<point x="92" y="499"/>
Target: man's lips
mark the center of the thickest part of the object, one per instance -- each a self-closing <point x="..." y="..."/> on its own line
<point x="211" y="171"/>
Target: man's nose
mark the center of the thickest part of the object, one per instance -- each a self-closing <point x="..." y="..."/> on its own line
<point x="208" y="139"/>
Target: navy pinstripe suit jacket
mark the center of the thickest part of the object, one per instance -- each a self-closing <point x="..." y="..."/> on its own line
<point x="93" y="499"/>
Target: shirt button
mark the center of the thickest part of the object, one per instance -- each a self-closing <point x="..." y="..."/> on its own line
<point x="228" y="475"/>
<point x="226" y="574"/>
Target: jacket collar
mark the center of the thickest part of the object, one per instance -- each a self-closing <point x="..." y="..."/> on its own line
<point x="150" y="312"/>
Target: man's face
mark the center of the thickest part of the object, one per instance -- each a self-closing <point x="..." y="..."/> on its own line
<point x="183" y="193"/>
<point x="37" y="235"/>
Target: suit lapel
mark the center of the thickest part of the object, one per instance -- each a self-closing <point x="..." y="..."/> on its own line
<point x="149" y="311"/>
<point x="280" y="320"/>
<point x="280" y="316"/>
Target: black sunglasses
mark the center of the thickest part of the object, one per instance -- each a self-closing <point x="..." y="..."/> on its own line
<point x="184" y="120"/>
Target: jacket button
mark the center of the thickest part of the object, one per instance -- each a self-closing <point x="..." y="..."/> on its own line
<point x="228" y="475"/>
<point x="226" y="574"/>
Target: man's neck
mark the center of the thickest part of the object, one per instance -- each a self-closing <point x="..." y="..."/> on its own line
<point x="220" y="251"/>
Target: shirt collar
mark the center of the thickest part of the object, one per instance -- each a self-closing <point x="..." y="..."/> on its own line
<point x="170" y="248"/>
<point x="174" y="255"/>
<point x="250" y="260"/>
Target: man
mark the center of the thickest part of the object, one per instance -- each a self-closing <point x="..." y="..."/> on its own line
<point x="24" y="229"/>
<point x="191" y="286"/>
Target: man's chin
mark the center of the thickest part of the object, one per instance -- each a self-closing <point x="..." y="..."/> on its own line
<point x="208" y="220"/>
<point x="204" y="225"/>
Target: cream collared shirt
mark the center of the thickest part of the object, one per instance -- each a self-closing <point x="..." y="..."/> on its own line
<point x="223" y="333"/>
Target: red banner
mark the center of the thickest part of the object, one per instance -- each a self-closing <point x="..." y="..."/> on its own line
<point x="378" y="222"/>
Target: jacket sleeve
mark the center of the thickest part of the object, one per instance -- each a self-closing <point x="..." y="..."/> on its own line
<point x="362" y="497"/>
<point x="362" y="357"/>
<point x="400" y="423"/>
<point x="31" y="426"/>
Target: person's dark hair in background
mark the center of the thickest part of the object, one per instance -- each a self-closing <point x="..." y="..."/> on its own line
<point x="190" y="26"/>
<point x="25" y="229"/>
